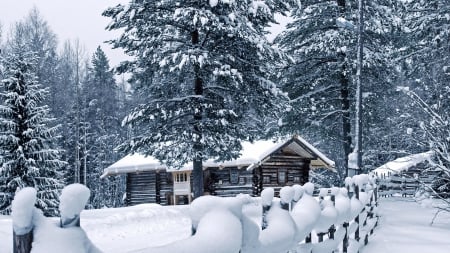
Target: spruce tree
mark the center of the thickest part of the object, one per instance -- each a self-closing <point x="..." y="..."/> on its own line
<point x="103" y="133"/>
<point x="27" y="139"/>
<point x="204" y="68"/>
<point x="322" y="40"/>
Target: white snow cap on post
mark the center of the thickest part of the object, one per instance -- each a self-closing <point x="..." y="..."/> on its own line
<point x="309" y="188"/>
<point x="22" y="210"/>
<point x="267" y="196"/>
<point x="298" y="192"/>
<point x="73" y="200"/>
<point x="348" y="181"/>
<point x="286" y="194"/>
<point x="205" y="204"/>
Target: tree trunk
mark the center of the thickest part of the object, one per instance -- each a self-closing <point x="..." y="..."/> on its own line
<point x="358" y="128"/>
<point x="197" y="172"/>
<point x="345" y="102"/>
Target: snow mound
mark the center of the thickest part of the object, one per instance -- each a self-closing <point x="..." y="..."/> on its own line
<point x="204" y="204"/>
<point x="298" y="192"/>
<point x="328" y="217"/>
<point x="73" y="200"/>
<point x="305" y="215"/>
<point x="267" y="196"/>
<point x="286" y="194"/>
<point x="280" y="233"/>
<point x="219" y="231"/>
<point x="50" y="238"/>
<point x="22" y="210"/>
<point x="309" y="188"/>
<point x="342" y="205"/>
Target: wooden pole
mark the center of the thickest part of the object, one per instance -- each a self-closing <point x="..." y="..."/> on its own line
<point x="22" y="243"/>
<point x="357" y="217"/>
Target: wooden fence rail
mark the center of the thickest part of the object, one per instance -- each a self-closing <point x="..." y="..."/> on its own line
<point x="340" y="219"/>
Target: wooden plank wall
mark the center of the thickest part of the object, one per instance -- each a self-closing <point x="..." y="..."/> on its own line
<point x="141" y="188"/>
<point x="294" y="168"/>
<point x="148" y="187"/>
<point x="230" y="181"/>
<point x="166" y="187"/>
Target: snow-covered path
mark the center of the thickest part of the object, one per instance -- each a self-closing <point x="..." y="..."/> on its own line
<point x="404" y="227"/>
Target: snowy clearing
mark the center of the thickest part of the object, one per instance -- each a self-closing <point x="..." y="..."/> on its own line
<point x="404" y="226"/>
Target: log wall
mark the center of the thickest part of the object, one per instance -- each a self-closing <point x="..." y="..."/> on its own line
<point x="228" y="182"/>
<point x="281" y="170"/>
<point x="148" y="187"/>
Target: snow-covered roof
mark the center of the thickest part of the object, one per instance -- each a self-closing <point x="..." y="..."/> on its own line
<point x="403" y="163"/>
<point x="133" y="163"/>
<point x="252" y="154"/>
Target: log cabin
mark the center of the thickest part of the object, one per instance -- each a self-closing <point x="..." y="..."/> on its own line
<point x="261" y="164"/>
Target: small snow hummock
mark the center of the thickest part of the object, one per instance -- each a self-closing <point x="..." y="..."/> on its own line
<point x="286" y="194"/>
<point x="204" y="204"/>
<point x="73" y="200"/>
<point x="305" y="215"/>
<point x="22" y="210"/>
<point x="328" y="216"/>
<point x="267" y="196"/>
<point x="298" y="192"/>
<point x="309" y="188"/>
<point x="342" y="205"/>
<point x="348" y="181"/>
<point x="279" y="236"/>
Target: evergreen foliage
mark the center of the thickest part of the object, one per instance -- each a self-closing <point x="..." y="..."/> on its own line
<point x="204" y="69"/>
<point x="27" y="138"/>
<point x="103" y="133"/>
<point x="321" y="83"/>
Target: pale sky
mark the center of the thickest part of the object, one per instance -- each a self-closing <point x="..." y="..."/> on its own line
<point x="69" y="19"/>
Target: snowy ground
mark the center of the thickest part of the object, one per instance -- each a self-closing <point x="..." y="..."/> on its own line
<point x="404" y="227"/>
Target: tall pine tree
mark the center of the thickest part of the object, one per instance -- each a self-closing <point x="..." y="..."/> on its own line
<point x="104" y="133"/>
<point x="322" y="39"/>
<point x="27" y="139"/>
<point x="204" y="68"/>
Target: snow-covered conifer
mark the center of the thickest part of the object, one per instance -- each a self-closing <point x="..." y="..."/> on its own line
<point x="27" y="141"/>
<point x="322" y="39"/>
<point x="204" y="67"/>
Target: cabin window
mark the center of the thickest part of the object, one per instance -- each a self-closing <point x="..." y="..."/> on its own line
<point x="242" y="180"/>
<point x="266" y="179"/>
<point x="297" y="179"/>
<point x="234" y="176"/>
<point x="281" y="177"/>
<point x="181" y="177"/>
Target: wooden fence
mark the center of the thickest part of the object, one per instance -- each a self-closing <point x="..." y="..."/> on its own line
<point x="345" y="219"/>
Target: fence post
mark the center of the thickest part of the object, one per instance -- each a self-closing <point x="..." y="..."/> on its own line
<point x="356" y="189"/>
<point x="22" y="243"/>
<point x="73" y="199"/>
<point x="266" y="202"/>
<point x="332" y="229"/>
<point x="22" y="219"/>
<point x="345" y="242"/>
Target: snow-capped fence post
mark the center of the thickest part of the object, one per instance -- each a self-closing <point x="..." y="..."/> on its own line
<point x="345" y="241"/>
<point x="73" y="199"/>
<point x="22" y="217"/>
<point x="286" y="197"/>
<point x="266" y="201"/>
<point x="332" y="229"/>
<point x="321" y="198"/>
<point x="357" y="221"/>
